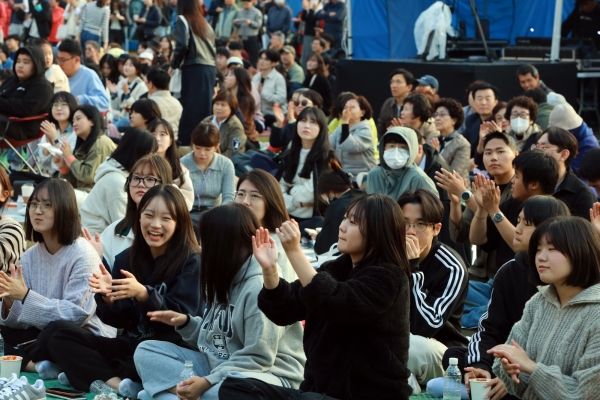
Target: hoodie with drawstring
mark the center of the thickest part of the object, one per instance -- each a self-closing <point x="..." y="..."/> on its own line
<point x="25" y="98"/>
<point x="107" y="200"/>
<point x="393" y="182"/>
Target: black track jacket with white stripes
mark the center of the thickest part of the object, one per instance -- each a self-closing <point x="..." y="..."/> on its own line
<point x="510" y="291"/>
<point x="438" y="288"/>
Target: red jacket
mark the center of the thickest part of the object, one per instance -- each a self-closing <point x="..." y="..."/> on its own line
<point x="57" y="21"/>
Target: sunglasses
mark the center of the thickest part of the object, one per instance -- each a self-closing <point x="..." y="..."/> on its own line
<point x="302" y="103"/>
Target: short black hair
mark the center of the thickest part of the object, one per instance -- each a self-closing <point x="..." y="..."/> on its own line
<point x="408" y="76"/>
<point x="590" y="167"/>
<point x="578" y="241"/>
<point x="61" y="195"/>
<point x="135" y="144"/>
<point x="272" y="55"/>
<point x="321" y="42"/>
<point x="394" y="138"/>
<point x="564" y="140"/>
<point x="63" y="97"/>
<point x="328" y="38"/>
<point x="421" y="106"/>
<point x="528" y="69"/>
<point x="70" y="46"/>
<point x="509" y="140"/>
<point x="13" y="37"/>
<point x="222" y="51"/>
<point x="537" y="95"/>
<point x="485" y="86"/>
<point x="233" y="45"/>
<point x="454" y="109"/>
<point x="159" y="78"/>
<point x="537" y="166"/>
<point x="431" y="206"/>
<point x="147" y="108"/>
<point x="538" y="209"/>
<point x="312" y="95"/>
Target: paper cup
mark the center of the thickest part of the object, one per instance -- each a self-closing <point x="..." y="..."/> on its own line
<point x="26" y="191"/>
<point x="10" y="365"/>
<point x="478" y="389"/>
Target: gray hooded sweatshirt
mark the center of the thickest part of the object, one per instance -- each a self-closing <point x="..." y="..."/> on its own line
<point x="356" y="152"/>
<point x="393" y="182"/>
<point x="238" y="337"/>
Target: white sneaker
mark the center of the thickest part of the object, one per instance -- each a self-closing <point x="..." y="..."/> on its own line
<point x="20" y="389"/>
<point x="6" y="381"/>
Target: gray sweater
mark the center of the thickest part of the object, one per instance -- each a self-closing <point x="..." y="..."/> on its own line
<point x="219" y="176"/>
<point x="247" y="30"/>
<point x="356" y="152"/>
<point x="59" y="289"/>
<point x="565" y="344"/>
<point x="238" y="337"/>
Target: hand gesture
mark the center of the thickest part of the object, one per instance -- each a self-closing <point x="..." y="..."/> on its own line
<point x="59" y="161"/>
<point x="94" y="241"/>
<point x="498" y="388"/>
<point x="112" y="87"/>
<point x="192" y="388"/>
<point x="265" y="251"/>
<point x="291" y="114"/>
<point x="347" y="114"/>
<point x="514" y="359"/>
<point x="170" y="318"/>
<point x="472" y="165"/>
<point x="101" y="282"/>
<point x="66" y="148"/>
<point x="49" y="130"/>
<point x="125" y="86"/>
<point x="491" y="197"/>
<point x="595" y="216"/>
<point x="478" y="189"/>
<point x="493" y="127"/>
<point x="13" y="287"/>
<point x="128" y="288"/>
<point x="289" y="234"/>
<point x="451" y="182"/>
<point x="395" y="122"/>
<point x="435" y="143"/>
<point x="278" y="114"/>
<point x="413" y="249"/>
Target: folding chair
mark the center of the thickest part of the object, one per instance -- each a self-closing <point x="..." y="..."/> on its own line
<point x="6" y="143"/>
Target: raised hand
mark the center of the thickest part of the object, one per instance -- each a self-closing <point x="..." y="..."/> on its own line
<point x="435" y="143"/>
<point x="128" y="288"/>
<point x="94" y="241"/>
<point x="278" y="114"/>
<point x="169" y="317"/>
<point x="478" y="189"/>
<point x="491" y="197"/>
<point x="13" y="287"/>
<point x="413" y="249"/>
<point x="101" y="282"/>
<point x="265" y="251"/>
<point x="595" y="216"/>
<point x="451" y="182"/>
<point x="395" y="122"/>
<point x="289" y="235"/>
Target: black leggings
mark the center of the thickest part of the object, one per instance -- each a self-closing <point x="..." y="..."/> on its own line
<point x="254" y="389"/>
<point x="85" y="357"/>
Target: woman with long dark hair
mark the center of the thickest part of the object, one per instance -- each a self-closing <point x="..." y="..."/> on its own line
<point x="92" y="147"/>
<point x="238" y="81"/>
<point x="245" y="343"/>
<point x="310" y="155"/>
<point x="260" y="191"/>
<point x="105" y="205"/>
<point x="317" y="81"/>
<point x="160" y="271"/>
<point x="167" y="148"/>
<point x="110" y="69"/>
<point x="362" y="297"/>
<point x="196" y="57"/>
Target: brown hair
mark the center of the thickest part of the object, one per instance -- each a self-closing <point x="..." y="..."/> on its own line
<point x="206" y="134"/>
<point x="432" y="208"/>
<point x="67" y="225"/>
<point x="320" y="63"/>
<point x="524" y="102"/>
<point x="5" y="182"/>
<point x="268" y="187"/>
<point x="228" y="97"/>
<point x="191" y="10"/>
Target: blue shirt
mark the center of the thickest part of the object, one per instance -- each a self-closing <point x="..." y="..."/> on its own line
<point x="88" y="88"/>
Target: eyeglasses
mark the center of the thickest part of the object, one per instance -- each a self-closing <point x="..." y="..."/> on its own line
<point x="439" y="114"/>
<point x="542" y="147"/>
<point x="60" y="105"/>
<point x="241" y="196"/>
<point x="149" y="181"/>
<point x="64" y="60"/>
<point x="419" y="226"/>
<point x="521" y="115"/>
<point x="302" y="103"/>
<point x="34" y="205"/>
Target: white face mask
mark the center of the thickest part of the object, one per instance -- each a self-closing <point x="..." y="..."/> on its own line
<point x="396" y="158"/>
<point x="519" y="125"/>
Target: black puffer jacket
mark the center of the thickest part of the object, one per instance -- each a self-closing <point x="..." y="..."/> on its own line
<point x="26" y="98"/>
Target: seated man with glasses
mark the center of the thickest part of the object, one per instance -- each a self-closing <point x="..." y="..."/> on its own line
<point x="85" y="84"/>
<point x="28" y="93"/>
<point x="439" y="283"/>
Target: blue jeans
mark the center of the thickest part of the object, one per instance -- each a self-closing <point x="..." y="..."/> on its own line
<point x="86" y="35"/>
<point x="478" y="298"/>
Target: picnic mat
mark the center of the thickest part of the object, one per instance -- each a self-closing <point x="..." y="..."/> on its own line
<point x="90" y="396"/>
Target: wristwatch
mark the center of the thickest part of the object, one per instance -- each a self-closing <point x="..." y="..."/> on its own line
<point x="56" y="141"/>
<point x="466" y="195"/>
<point x="498" y="217"/>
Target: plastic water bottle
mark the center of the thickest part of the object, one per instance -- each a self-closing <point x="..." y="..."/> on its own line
<point x="20" y="202"/>
<point x="188" y="371"/>
<point x="102" y="391"/>
<point x="452" y="381"/>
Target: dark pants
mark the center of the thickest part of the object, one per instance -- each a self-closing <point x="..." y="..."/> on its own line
<point x="85" y="357"/>
<point x="461" y="354"/>
<point x="252" y="46"/>
<point x="254" y="389"/>
<point x="197" y="88"/>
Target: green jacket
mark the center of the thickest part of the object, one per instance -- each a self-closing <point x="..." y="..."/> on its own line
<point x="543" y="119"/>
<point x="393" y="182"/>
<point x="83" y="169"/>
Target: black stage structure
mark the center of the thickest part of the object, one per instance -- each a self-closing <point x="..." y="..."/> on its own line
<point x="370" y="78"/>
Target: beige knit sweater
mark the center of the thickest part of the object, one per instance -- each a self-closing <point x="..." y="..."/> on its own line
<point x="565" y="344"/>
